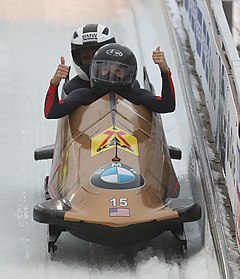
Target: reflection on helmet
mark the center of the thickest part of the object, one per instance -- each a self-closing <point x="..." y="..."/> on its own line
<point x="89" y="37"/>
<point x="113" y="66"/>
<point x="113" y="72"/>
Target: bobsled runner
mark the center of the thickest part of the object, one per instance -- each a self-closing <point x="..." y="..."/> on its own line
<point x="112" y="181"/>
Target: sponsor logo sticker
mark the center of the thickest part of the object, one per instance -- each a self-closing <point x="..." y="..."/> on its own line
<point x="112" y="136"/>
<point x="117" y="176"/>
<point x="114" y="52"/>
<point x="89" y="37"/>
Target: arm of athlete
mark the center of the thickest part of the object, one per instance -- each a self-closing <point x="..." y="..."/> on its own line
<point x="55" y="108"/>
<point x="166" y="102"/>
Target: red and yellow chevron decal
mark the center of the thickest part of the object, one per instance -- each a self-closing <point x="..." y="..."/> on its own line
<point x="108" y="138"/>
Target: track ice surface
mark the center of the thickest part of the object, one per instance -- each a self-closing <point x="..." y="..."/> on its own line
<point x="34" y="34"/>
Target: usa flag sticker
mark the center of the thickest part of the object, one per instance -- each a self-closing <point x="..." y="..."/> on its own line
<point x="119" y="212"/>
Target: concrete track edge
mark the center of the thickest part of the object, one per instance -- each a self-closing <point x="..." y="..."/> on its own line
<point x="217" y="227"/>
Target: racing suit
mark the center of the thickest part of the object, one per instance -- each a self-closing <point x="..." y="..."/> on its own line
<point x="79" y="92"/>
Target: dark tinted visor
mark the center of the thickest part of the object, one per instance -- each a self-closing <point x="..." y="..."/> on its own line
<point x="112" y="71"/>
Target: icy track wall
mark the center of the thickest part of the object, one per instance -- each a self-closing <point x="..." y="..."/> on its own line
<point x="218" y="66"/>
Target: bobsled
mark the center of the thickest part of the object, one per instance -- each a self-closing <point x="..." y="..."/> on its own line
<point x="112" y="180"/>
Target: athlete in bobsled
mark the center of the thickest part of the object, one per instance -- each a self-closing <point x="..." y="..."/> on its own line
<point x="84" y="43"/>
<point x="120" y="59"/>
<point x="114" y="68"/>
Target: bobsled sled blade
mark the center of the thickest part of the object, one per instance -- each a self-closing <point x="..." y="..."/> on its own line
<point x="44" y="153"/>
<point x="179" y="233"/>
<point x="175" y="153"/>
<point x="53" y="235"/>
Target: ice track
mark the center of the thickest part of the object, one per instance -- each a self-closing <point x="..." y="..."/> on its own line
<point x="33" y="37"/>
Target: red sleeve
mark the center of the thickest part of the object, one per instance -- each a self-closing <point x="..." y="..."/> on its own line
<point x="51" y="99"/>
<point x="161" y="104"/>
<point x="55" y="108"/>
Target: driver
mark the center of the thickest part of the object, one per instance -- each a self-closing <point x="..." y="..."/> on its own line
<point x="114" y="68"/>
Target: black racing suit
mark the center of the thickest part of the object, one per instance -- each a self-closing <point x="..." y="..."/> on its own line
<point x="79" y="92"/>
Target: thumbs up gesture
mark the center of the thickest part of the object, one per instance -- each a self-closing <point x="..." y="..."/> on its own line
<point x="61" y="72"/>
<point x="159" y="59"/>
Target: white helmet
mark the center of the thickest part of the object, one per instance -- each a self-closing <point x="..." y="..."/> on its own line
<point x="89" y="35"/>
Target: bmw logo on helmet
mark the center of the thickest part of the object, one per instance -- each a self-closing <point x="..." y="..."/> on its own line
<point x="117" y="176"/>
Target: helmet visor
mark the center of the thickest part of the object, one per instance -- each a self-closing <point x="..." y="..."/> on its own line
<point x="84" y="55"/>
<point x="113" y="72"/>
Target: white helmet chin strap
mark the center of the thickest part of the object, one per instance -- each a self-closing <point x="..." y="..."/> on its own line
<point x="80" y="72"/>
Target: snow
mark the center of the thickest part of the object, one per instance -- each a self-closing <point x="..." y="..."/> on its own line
<point x="33" y="37"/>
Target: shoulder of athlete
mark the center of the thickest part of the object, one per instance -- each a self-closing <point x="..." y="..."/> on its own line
<point x="75" y="83"/>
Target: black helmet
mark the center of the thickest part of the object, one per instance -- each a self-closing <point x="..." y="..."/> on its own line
<point x="89" y="35"/>
<point x="114" y="67"/>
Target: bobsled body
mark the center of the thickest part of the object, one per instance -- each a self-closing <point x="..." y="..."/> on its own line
<point x="112" y="181"/>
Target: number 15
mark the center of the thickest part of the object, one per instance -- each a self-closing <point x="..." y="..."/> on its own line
<point x="120" y="202"/>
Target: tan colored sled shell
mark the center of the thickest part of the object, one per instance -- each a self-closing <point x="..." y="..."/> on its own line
<point x="112" y="136"/>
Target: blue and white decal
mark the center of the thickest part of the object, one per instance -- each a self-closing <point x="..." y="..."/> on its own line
<point x="117" y="176"/>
